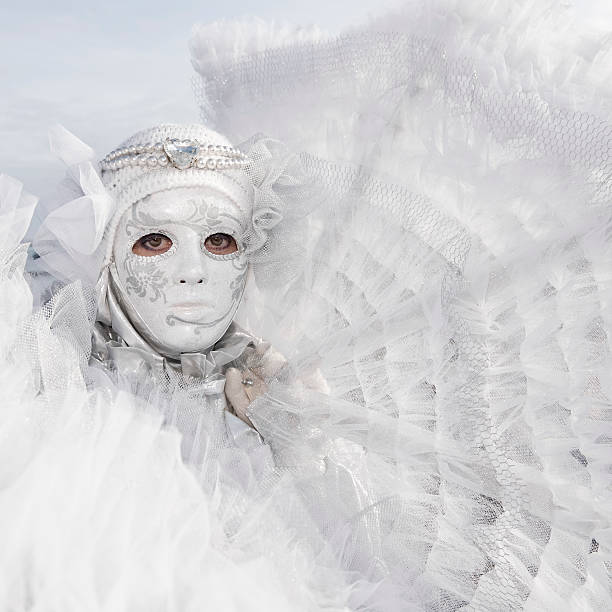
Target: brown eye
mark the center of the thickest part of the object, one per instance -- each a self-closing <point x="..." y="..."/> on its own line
<point x="220" y="244"/>
<point x="151" y="244"/>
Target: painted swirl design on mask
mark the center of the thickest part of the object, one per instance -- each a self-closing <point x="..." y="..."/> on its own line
<point x="238" y="284"/>
<point x="143" y="276"/>
<point x="202" y="213"/>
<point x="147" y="280"/>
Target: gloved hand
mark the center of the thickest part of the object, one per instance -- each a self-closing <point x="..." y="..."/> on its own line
<point x="245" y="384"/>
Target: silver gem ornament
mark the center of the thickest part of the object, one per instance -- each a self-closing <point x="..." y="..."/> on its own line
<point x="181" y="154"/>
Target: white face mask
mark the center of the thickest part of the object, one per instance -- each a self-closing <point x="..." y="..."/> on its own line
<point x="177" y="279"/>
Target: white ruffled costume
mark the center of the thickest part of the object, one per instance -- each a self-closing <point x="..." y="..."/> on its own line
<point x="445" y="268"/>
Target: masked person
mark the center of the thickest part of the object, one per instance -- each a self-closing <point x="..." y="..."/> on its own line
<point x="452" y="286"/>
<point x="177" y="261"/>
<point x="183" y="218"/>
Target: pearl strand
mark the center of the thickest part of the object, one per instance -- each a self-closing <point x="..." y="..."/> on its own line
<point x="218" y="156"/>
<point x="161" y="161"/>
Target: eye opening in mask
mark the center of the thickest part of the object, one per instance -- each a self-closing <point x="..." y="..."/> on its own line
<point x="152" y="244"/>
<point x="220" y="243"/>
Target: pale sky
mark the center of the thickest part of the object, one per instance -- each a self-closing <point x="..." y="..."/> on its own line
<point x="107" y="68"/>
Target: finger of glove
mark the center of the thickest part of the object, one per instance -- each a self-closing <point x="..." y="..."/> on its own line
<point x="236" y="394"/>
<point x="258" y="386"/>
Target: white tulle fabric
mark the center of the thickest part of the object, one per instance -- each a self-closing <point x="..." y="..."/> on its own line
<point x="456" y="297"/>
<point x="98" y="508"/>
<point x="437" y="247"/>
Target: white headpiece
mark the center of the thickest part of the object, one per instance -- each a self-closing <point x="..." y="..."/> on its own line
<point x="171" y="156"/>
<point x="76" y="237"/>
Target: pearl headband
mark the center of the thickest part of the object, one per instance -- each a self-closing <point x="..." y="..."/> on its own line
<point x="180" y="154"/>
